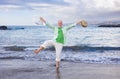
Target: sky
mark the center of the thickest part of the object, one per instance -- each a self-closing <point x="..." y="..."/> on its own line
<point x="27" y="12"/>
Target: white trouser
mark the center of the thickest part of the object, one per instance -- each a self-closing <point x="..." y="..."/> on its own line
<point x="58" y="47"/>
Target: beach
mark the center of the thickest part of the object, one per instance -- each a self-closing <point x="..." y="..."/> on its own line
<point x="21" y="69"/>
<point x="91" y="53"/>
<point x="83" y="34"/>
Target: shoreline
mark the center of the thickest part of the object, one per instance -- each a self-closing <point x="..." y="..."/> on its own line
<point x="24" y="69"/>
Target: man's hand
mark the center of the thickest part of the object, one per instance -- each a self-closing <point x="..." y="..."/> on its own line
<point x="83" y="23"/>
<point x="78" y="22"/>
<point x="42" y="19"/>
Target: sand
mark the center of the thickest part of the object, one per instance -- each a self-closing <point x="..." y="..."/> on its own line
<point x="23" y="69"/>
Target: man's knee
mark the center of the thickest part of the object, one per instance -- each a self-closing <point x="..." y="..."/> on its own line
<point x="58" y="59"/>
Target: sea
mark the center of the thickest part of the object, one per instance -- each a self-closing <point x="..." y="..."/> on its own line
<point x="85" y="45"/>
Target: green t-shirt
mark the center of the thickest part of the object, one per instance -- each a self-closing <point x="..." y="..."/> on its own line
<point x="60" y="33"/>
<point x="60" y="37"/>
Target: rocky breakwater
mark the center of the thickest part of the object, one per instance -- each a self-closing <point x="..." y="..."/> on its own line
<point x="10" y="28"/>
<point x="109" y="25"/>
<point x="3" y="28"/>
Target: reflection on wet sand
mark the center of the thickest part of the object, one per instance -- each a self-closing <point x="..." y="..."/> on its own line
<point x="58" y="75"/>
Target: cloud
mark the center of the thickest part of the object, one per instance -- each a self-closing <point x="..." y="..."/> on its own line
<point x="67" y="10"/>
<point x="39" y="6"/>
<point x="82" y="5"/>
<point x="9" y="7"/>
<point x="95" y="9"/>
<point x="25" y="2"/>
<point x="31" y="4"/>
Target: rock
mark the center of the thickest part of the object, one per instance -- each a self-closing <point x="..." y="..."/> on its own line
<point x="110" y="25"/>
<point x="14" y="48"/>
<point x="3" y="28"/>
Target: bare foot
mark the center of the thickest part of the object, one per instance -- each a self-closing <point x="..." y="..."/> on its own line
<point x="36" y="51"/>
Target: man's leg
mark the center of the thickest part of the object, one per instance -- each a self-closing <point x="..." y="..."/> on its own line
<point x="39" y="49"/>
<point x="58" y="48"/>
<point x="57" y="64"/>
<point x="43" y="46"/>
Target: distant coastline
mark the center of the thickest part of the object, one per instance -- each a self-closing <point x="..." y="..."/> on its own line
<point x="109" y="25"/>
<point x="3" y="27"/>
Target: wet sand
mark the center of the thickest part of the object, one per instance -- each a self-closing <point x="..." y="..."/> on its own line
<point x="23" y="69"/>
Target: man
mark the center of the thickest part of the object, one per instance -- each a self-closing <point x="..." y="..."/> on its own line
<point x="59" y="37"/>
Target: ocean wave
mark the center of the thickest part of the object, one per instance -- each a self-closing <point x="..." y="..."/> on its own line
<point x="108" y="57"/>
<point x="14" y="48"/>
<point x="89" y="48"/>
<point x="80" y="48"/>
<point x="65" y="48"/>
<point x="12" y="57"/>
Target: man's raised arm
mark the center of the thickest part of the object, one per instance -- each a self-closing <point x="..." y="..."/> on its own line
<point x="82" y="23"/>
<point x="42" y="20"/>
<point x="46" y="23"/>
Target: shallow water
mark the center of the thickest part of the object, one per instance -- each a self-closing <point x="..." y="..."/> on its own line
<point x="89" y="45"/>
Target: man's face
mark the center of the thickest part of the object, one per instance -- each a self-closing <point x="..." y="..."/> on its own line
<point x="60" y="23"/>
